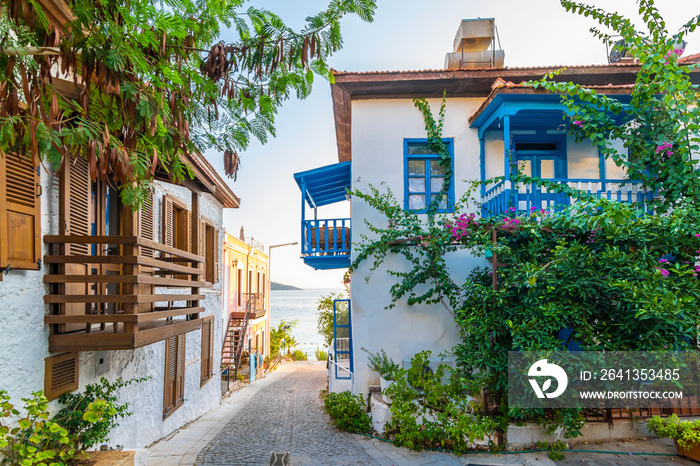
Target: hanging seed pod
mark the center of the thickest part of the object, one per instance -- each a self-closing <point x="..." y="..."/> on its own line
<point x="92" y="160"/>
<point x="154" y="162"/>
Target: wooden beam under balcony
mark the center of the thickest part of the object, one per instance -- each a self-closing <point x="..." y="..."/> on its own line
<point x="108" y="340"/>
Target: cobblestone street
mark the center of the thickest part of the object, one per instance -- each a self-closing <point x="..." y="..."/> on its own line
<point x="283" y="413"/>
<point x="286" y="416"/>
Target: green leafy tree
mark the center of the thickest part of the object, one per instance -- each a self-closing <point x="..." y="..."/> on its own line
<point x="662" y="129"/>
<point x="281" y="337"/>
<point x="324" y="315"/>
<point x="152" y="82"/>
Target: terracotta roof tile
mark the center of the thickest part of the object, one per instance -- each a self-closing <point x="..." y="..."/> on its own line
<point x="500" y="83"/>
<point x="615" y="65"/>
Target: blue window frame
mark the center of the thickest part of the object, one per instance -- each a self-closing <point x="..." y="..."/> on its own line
<point x="424" y="176"/>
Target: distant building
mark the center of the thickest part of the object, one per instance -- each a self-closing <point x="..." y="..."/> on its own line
<point x="246" y="298"/>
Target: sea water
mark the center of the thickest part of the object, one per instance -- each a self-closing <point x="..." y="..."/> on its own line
<point x="301" y="305"/>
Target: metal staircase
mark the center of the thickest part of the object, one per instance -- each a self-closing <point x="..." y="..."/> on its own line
<point x="234" y="343"/>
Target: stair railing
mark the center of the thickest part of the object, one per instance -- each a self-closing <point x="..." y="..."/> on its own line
<point x="244" y="331"/>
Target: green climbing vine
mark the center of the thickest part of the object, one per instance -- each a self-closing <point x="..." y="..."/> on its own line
<point x="433" y="129"/>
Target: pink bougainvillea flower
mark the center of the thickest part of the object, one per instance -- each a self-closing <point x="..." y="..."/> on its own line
<point x="697" y="235"/>
<point x="663" y="272"/>
<point x="661" y="261"/>
<point x="578" y="123"/>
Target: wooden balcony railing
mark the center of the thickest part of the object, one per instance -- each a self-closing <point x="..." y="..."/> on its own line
<point x="130" y="292"/>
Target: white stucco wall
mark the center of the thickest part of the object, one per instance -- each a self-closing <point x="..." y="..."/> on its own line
<point x="25" y="340"/>
<point x="378" y="130"/>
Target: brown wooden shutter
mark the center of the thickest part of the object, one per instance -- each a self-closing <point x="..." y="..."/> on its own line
<point x="202" y="238"/>
<point x="215" y="235"/>
<point x="207" y="348"/>
<point x="61" y="375"/>
<point x="146" y="224"/>
<point x="168" y="235"/>
<point x="20" y="213"/>
<point x="78" y="178"/>
<point x="180" y="379"/>
<point x="190" y="236"/>
<point x="174" y="389"/>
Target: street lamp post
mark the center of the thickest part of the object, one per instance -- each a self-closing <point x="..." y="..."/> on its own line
<point x="269" y="290"/>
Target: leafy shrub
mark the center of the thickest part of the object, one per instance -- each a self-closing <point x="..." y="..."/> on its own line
<point x="686" y="433"/>
<point x="380" y="362"/>
<point x="36" y="439"/>
<point x="321" y="355"/>
<point x="79" y="418"/>
<point x="348" y="411"/>
<point x="298" y="355"/>
<point x="439" y="414"/>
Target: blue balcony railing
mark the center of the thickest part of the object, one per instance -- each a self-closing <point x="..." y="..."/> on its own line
<point x="326" y="244"/>
<point x="525" y="197"/>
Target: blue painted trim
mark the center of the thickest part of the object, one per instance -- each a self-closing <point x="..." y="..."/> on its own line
<point x="451" y="191"/>
<point x="511" y="104"/>
<point x="482" y="164"/>
<point x="601" y="166"/>
<point x="325" y="185"/>
<point x="506" y="148"/>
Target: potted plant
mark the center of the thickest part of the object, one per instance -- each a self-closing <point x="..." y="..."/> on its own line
<point x="685" y="434"/>
<point x="380" y="362"/>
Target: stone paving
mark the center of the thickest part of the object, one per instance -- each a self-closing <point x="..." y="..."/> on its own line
<point x="283" y="413"/>
<point x="286" y="416"/>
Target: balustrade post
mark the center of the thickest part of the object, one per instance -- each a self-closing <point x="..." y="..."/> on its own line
<point x="130" y="227"/>
<point x="196" y="235"/>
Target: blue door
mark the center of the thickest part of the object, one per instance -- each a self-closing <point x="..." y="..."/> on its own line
<point x="544" y="159"/>
<point x="342" y="339"/>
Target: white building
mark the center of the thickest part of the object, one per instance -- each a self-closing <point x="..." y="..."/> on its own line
<point x="381" y="142"/>
<point x="90" y="289"/>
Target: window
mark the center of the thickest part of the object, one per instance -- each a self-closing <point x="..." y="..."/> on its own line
<point x="177" y="224"/>
<point x="207" y="348"/>
<point x="174" y="388"/>
<point x="210" y="251"/>
<point x="240" y="287"/>
<point x="424" y="177"/>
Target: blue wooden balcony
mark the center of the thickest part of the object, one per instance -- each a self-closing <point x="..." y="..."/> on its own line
<point x="325" y="243"/>
<point x="527" y="197"/>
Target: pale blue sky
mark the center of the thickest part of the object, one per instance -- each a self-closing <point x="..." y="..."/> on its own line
<point x="405" y="35"/>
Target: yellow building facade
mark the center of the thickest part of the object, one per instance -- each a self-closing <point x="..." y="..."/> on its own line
<point x="246" y="294"/>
